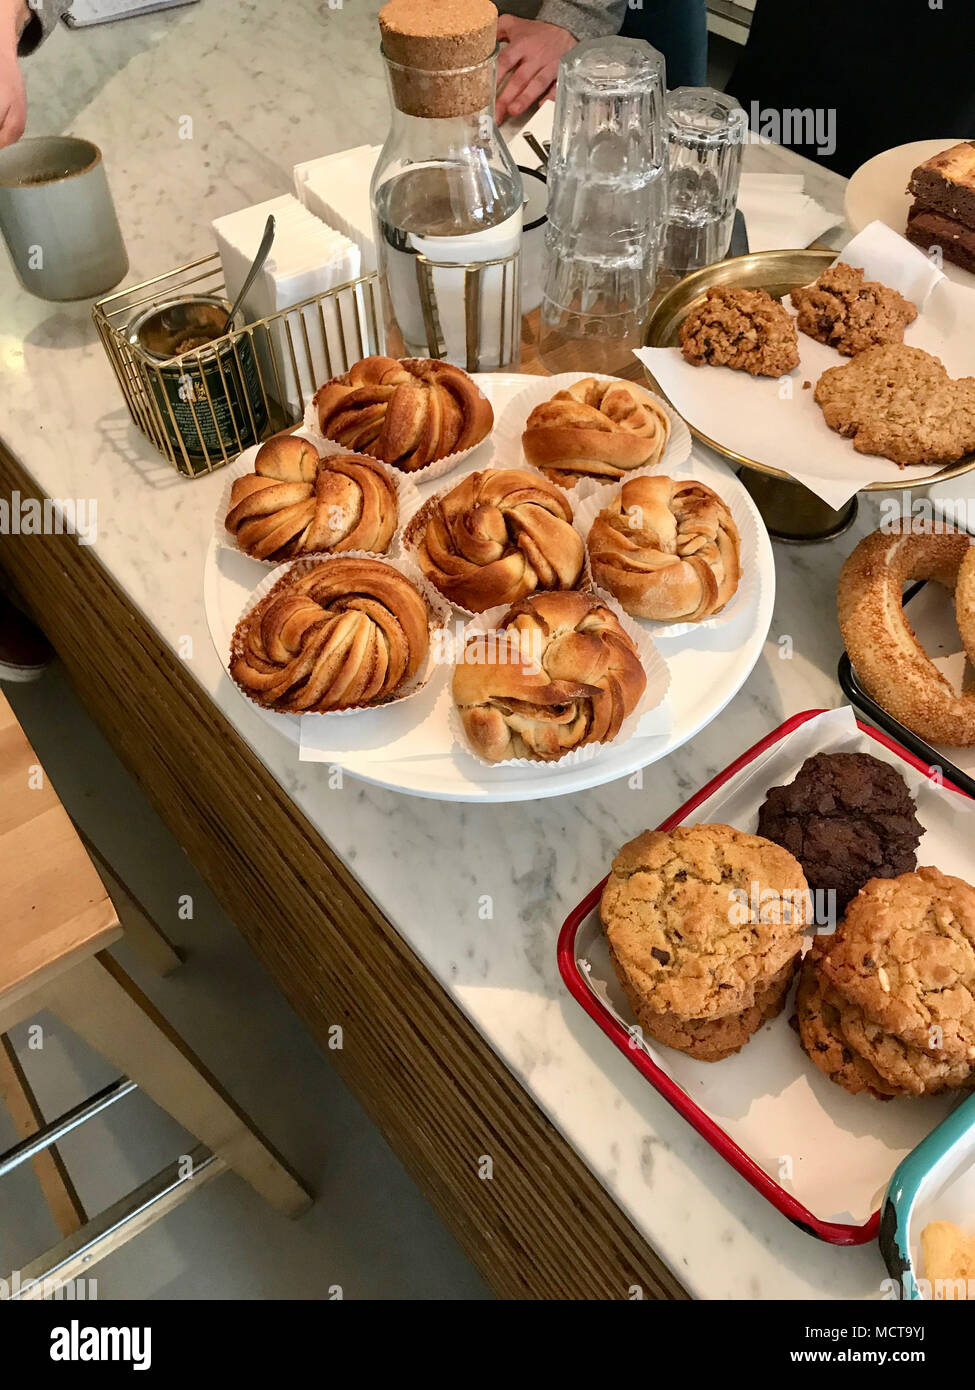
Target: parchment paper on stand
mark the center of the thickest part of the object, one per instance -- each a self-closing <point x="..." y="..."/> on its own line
<point x="755" y="417"/>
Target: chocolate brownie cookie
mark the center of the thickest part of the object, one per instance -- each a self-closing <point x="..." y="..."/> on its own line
<point x="850" y="313"/>
<point x="817" y="1020"/>
<point x="906" y="955"/>
<point x="900" y="403"/>
<point x="710" y="1039"/>
<point x="747" y="330"/>
<point x="847" y="818"/>
<point x="703" y="917"/>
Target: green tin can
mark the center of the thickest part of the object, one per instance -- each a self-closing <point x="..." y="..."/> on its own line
<point x="206" y="385"/>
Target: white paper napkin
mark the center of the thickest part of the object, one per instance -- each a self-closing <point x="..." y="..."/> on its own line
<point x="778" y="423"/>
<point x="778" y="214"/>
<point x="307" y="258"/>
<point x="336" y="189"/>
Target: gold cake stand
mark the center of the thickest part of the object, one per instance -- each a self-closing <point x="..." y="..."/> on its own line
<point x="791" y="512"/>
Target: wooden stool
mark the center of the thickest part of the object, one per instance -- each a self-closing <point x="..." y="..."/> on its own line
<point x="56" y="923"/>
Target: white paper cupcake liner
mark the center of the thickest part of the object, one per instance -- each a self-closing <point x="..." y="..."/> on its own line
<point x="406" y="497"/>
<point x="658" y="683"/>
<point x="437" y="469"/>
<point x="510" y="426"/>
<point x="437" y="608"/>
<point x="750" y="584"/>
<point x="409" y="534"/>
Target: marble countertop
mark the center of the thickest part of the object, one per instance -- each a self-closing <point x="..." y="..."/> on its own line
<point x="265" y="86"/>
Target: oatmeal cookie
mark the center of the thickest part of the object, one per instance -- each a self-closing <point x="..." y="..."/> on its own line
<point x="710" y="1039"/>
<point x="905" y="953"/>
<point x="817" y="1020"/>
<point x="701" y="918"/>
<point x="847" y="818"/>
<point x="900" y="403"/>
<point x="850" y="313"/>
<point x="747" y="330"/>
<point x="908" y="1069"/>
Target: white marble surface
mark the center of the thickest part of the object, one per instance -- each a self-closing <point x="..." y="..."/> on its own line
<point x="267" y="85"/>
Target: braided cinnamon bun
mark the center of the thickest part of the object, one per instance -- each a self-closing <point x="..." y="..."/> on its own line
<point x="297" y="503"/>
<point x="667" y="549"/>
<point x="596" y="429"/>
<point x="498" y="536"/>
<point x="344" y="633"/>
<point x="559" y="673"/>
<point x="407" y="413"/>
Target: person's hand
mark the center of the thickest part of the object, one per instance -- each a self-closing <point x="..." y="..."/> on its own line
<point x="530" y="61"/>
<point x="14" y="15"/>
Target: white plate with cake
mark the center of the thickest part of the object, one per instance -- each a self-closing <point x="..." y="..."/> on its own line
<point x="880" y="190"/>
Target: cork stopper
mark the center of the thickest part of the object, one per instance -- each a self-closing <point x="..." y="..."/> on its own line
<point x="432" y="41"/>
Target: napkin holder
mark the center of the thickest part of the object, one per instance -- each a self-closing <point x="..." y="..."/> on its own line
<point x="351" y="328"/>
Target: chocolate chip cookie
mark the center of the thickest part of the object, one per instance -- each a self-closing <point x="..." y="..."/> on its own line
<point x="900" y="403"/>
<point x="701" y="918"/>
<point x="746" y="330"/>
<point x="847" y="818"/>
<point x="905" y="954"/>
<point x="710" y="1039"/>
<point x="850" y="313"/>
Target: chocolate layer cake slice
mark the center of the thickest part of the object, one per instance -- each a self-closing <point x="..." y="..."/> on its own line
<point x="943" y="213"/>
<point x="946" y="183"/>
<point x="957" y="242"/>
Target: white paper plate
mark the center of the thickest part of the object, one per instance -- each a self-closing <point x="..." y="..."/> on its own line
<point x="877" y="191"/>
<point x="407" y="747"/>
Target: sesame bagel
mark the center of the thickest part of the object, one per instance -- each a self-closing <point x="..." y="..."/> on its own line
<point x="889" y="661"/>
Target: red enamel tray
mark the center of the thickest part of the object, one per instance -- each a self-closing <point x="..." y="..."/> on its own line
<point x="835" y="1233"/>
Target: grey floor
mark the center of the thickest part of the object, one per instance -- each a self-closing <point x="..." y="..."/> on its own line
<point x="370" y="1234"/>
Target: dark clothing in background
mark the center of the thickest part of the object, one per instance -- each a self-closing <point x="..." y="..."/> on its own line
<point x="679" y="30"/>
<point x="893" y="71"/>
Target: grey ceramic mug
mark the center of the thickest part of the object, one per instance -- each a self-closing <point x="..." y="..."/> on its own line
<point x="58" y="218"/>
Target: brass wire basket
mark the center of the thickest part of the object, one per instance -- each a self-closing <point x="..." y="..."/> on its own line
<point x="239" y="389"/>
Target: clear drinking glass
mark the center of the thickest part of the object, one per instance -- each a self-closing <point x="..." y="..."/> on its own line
<point x="447" y="201"/>
<point x="607" y="178"/>
<point x="706" y="133"/>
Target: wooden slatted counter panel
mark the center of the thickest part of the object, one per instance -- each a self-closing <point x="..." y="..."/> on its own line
<point x="543" y="1227"/>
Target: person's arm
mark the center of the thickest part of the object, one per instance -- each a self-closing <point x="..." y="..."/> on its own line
<point x="532" y="47"/>
<point x="584" y="19"/>
<point x="14" y="20"/>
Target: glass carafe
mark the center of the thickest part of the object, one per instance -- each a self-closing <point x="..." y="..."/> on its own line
<point x="447" y="206"/>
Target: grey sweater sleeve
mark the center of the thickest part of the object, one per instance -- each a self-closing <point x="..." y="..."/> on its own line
<point x="584" y="19"/>
<point x="43" y="18"/>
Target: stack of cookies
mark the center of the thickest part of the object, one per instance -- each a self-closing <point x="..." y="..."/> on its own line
<point x="886" y="1005"/>
<point x="704" y="926"/>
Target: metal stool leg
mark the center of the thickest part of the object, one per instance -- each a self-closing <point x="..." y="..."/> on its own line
<point x="99" y="1002"/>
<point x="58" y="1189"/>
